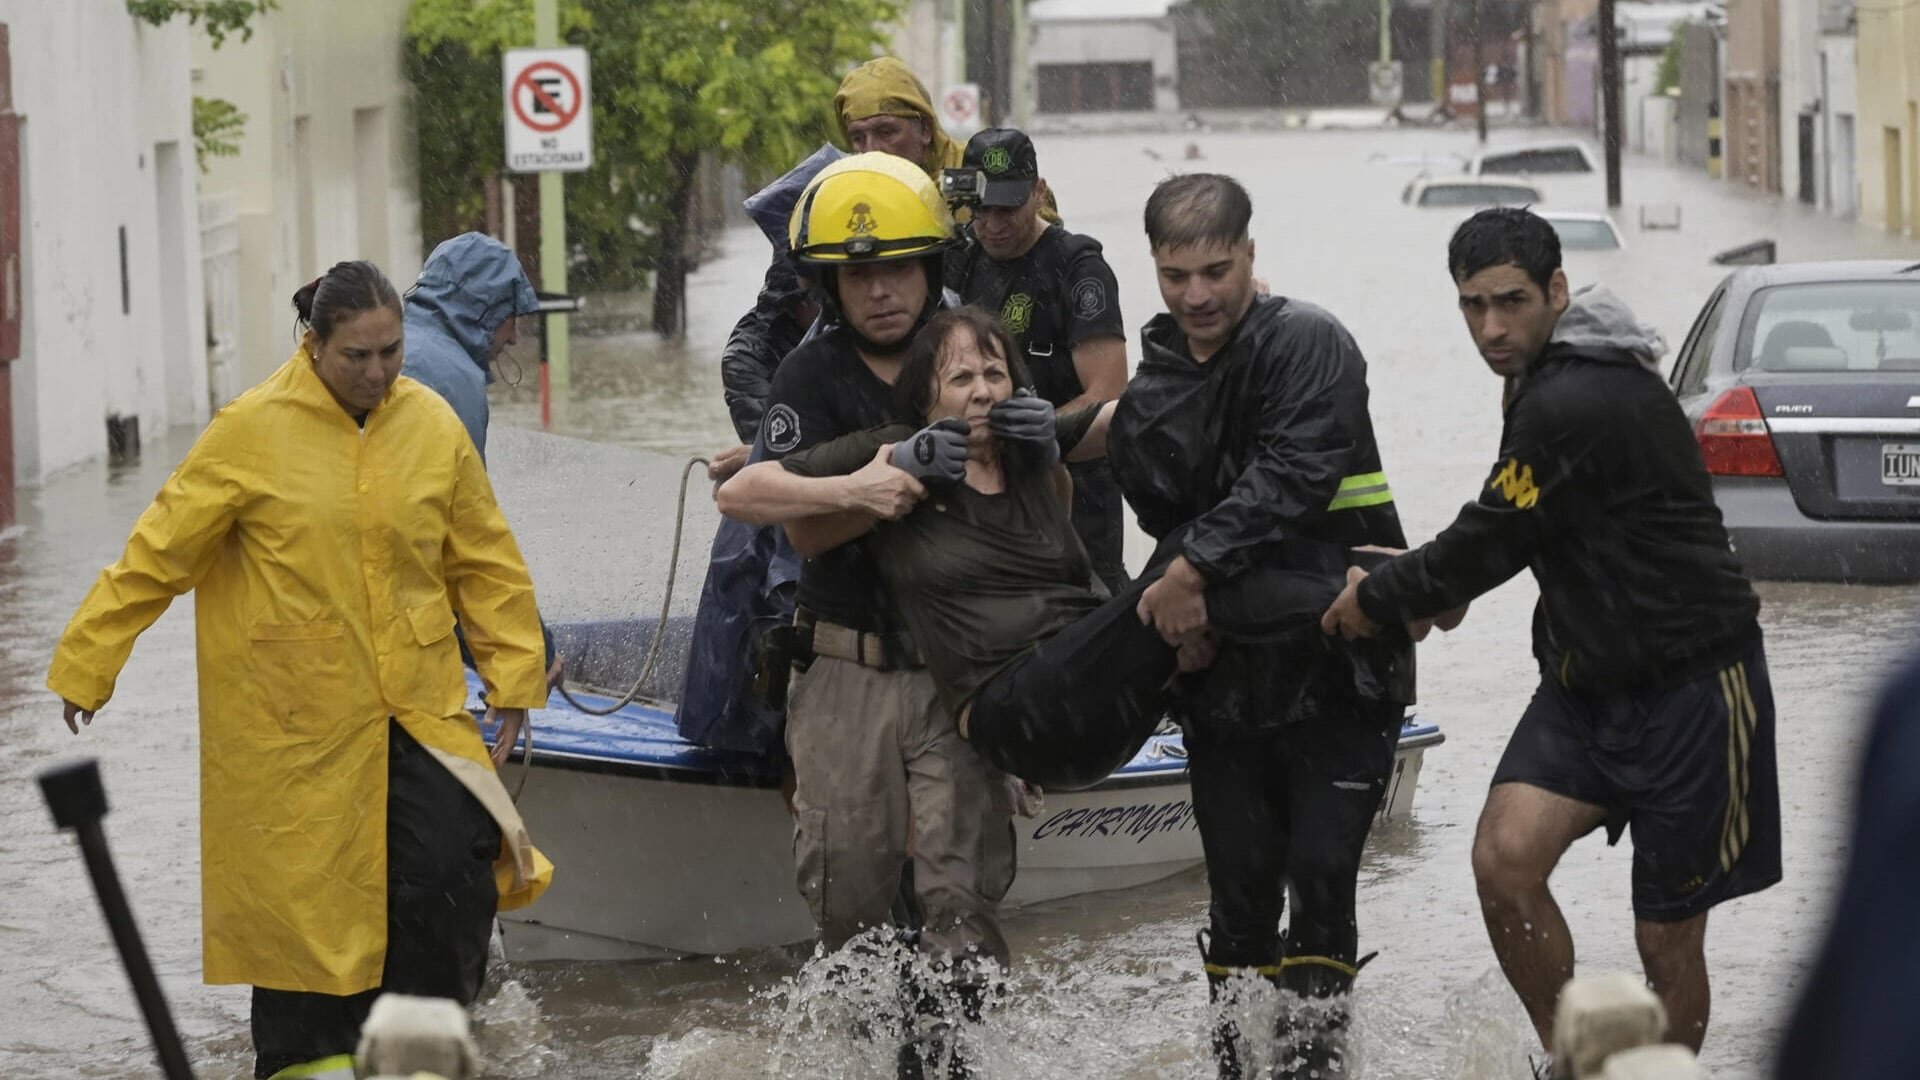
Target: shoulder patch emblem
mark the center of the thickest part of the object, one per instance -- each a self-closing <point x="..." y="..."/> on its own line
<point x="1017" y="313"/>
<point x="782" y="428"/>
<point x="1515" y="484"/>
<point x="1089" y="299"/>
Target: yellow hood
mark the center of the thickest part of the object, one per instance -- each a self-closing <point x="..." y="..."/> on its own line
<point x="887" y="87"/>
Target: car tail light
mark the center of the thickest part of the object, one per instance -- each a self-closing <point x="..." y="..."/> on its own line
<point x="1734" y="440"/>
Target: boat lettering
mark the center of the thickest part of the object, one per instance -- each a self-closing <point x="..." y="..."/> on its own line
<point x="1138" y="821"/>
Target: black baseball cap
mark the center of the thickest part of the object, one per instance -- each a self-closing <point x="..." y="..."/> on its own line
<point x="1006" y="156"/>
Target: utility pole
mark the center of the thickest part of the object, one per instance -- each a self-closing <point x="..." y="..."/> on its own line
<point x="553" y="218"/>
<point x="1480" y="75"/>
<point x="1610" y="99"/>
<point x="1017" y="77"/>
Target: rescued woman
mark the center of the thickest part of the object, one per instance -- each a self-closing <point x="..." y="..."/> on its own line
<point x="1049" y="678"/>
<point x="355" y="837"/>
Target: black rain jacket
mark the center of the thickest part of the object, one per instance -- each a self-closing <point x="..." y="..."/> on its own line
<point x="1600" y="489"/>
<point x="760" y="340"/>
<point x="1267" y="448"/>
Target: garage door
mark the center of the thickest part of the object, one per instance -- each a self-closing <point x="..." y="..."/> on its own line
<point x="1096" y="87"/>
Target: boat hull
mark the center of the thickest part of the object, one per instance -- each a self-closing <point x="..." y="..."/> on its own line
<point x="656" y="861"/>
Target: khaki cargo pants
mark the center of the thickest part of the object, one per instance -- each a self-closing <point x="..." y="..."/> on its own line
<point x="876" y="758"/>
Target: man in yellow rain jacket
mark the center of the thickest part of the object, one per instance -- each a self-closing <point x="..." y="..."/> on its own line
<point x="354" y="834"/>
<point x="883" y="106"/>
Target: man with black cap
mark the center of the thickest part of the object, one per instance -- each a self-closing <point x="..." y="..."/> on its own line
<point x="1058" y="298"/>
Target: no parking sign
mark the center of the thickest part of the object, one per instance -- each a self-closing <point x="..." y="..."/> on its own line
<point x="549" y="110"/>
<point x="960" y="109"/>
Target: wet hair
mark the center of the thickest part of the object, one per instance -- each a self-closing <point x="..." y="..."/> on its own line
<point x="336" y="296"/>
<point x="914" y="390"/>
<point x="1197" y="209"/>
<point x="1503" y="236"/>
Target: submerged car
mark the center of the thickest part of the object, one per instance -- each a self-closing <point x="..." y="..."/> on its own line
<point x="1802" y="381"/>
<point x="1469" y="191"/>
<point x="1585" y="232"/>
<point x="1560" y="156"/>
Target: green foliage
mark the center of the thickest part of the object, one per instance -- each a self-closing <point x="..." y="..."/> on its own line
<point x="1668" y="79"/>
<point x="217" y="124"/>
<point x="219" y="18"/>
<point x="749" y="80"/>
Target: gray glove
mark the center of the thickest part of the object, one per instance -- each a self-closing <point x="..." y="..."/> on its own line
<point x="1027" y="418"/>
<point x="936" y="454"/>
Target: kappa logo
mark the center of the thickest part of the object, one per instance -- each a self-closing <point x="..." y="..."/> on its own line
<point x="862" y="223"/>
<point x="783" y="429"/>
<point x="1089" y="299"/>
<point x="923" y="449"/>
<point x="997" y="160"/>
<point x="1017" y="313"/>
<point x="1515" y="484"/>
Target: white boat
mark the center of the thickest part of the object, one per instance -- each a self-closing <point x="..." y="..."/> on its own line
<point x="666" y="849"/>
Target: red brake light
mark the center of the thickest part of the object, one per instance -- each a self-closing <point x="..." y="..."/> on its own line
<point x="1734" y="440"/>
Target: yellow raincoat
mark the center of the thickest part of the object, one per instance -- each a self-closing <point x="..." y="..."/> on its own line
<point x="328" y="563"/>
<point x="888" y="87"/>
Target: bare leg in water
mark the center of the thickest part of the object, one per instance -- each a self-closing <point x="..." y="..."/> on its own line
<point x="1675" y="957"/>
<point x="1523" y="832"/>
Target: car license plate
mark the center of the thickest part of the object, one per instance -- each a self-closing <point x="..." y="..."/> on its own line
<point x="1900" y="464"/>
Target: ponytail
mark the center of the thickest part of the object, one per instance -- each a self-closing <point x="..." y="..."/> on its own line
<point x="344" y="291"/>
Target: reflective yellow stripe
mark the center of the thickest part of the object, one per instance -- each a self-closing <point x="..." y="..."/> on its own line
<point x="1321" y="961"/>
<point x="1365" y="489"/>
<point x="1742" y="721"/>
<point x="1223" y="971"/>
<point x="337" y="1067"/>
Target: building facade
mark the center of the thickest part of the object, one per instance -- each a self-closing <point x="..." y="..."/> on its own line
<point x="1888" y="135"/>
<point x="325" y="170"/>
<point x="101" y="274"/>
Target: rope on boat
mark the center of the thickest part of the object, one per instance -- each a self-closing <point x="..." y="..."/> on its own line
<point x="666" y="607"/>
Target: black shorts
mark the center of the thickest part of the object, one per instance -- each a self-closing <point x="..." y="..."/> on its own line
<point x="1690" y="769"/>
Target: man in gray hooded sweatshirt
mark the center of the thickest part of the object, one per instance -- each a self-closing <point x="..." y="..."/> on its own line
<point x="460" y="314"/>
<point x="1653" y="709"/>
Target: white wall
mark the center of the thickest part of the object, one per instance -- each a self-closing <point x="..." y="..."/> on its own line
<point x="1840" y="186"/>
<point x="327" y="169"/>
<point x="106" y="143"/>
<point x="1799" y="89"/>
<point x="1083" y="41"/>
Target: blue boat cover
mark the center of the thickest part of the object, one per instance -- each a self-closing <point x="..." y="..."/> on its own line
<point x="643" y="735"/>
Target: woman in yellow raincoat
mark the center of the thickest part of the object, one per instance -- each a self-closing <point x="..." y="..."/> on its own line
<point x="354" y="835"/>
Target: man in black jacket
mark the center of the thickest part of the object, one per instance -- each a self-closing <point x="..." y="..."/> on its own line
<point x="1653" y="708"/>
<point x="1246" y="424"/>
<point x="1058" y="298"/>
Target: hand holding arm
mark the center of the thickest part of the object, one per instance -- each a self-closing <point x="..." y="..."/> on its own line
<point x="1027" y="419"/>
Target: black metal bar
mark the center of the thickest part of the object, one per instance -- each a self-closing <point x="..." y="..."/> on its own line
<point x="1611" y="126"/>
<point x="78" y="802"/>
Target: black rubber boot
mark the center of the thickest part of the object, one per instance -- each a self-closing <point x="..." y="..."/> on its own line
<point x="933" y="1013"/>
<point x="1312" y="1032"/>
<point x="1230" y="1050"/>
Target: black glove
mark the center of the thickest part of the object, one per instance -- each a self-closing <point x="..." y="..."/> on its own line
<point x="936" y="454"/>
<point x="1027" y="418"/>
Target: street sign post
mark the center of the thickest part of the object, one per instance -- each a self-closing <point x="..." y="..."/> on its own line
<point x="1386" y="82"/>
<point x="549" y="111"/>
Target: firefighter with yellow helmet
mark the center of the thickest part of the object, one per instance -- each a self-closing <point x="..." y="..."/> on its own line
<point x="876" y="756"/>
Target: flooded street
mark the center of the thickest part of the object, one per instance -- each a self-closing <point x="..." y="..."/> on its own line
<point x="1106" y="985"/>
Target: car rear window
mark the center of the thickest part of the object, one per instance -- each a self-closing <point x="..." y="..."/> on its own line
<point x="1584" y="235"/>
<point x="1834" y="327"/>
<point x="1478" y="195"/>
<point x="1559" y="159"/>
